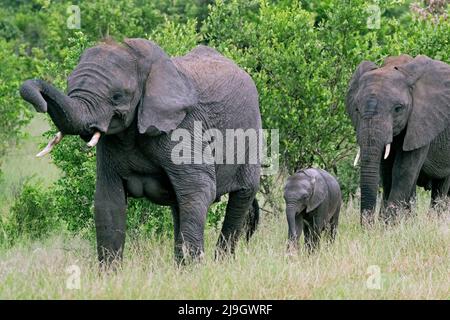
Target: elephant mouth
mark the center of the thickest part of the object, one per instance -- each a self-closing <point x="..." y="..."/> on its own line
<point x="92" y="138"/>
<point x="116" y="125"/>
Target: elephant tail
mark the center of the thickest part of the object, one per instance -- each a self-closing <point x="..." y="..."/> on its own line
<point x="252" y="219"/>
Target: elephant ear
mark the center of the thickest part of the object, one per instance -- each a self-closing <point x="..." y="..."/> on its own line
<point x="320" y="190"/>
<point x="350" y="102"/>
<point x="167" y="95"/>
<point x="430" y="115"/>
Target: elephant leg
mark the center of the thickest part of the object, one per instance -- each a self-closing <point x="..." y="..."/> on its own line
<point x="312" y="234"/>
<point x="386" y="179"/>
<point x="439" y="189"/>
<point x="412" y="200"/>
<point x="407" y="166"/>
<point x="238" y="205"/>
<point x="109" y="212"/>
<point x="333" y="225"/>
<point x="192" y="224"/>
<point x="195" y="189"/>
<point x="178" y="243"/>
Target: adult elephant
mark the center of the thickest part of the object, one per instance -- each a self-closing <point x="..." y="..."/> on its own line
<point x="129" y="98"/>
<point x="401" y="113"/>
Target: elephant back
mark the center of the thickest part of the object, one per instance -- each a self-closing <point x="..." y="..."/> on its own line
<point x="219" y="81"/>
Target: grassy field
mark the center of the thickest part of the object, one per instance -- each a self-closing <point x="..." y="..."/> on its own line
<point x="406" y="261"/>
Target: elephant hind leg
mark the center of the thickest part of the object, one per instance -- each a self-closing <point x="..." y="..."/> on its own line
<point x="252" y="220"/>
<point x="332" y="228"/>
<point x="238" y="207"/>
<point x="178" y="242"/>
<point x="439" y="190"/>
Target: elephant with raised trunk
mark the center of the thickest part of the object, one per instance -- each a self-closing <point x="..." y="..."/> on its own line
<point x="401" y="113"/>
<point x="127" y="99"/>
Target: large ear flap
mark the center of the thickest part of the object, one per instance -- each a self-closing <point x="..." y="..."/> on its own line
<point x="320" y="190"/>
<point x="350" y="102"/>
<point x="167" y="93"/>
<point x="430" y="115"/>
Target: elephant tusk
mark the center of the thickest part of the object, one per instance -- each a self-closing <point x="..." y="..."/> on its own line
<point x="355" y="163"/>
<point x="56" y="139"/>
<point x="388" y="150"/>
<point x="94" y="140"/>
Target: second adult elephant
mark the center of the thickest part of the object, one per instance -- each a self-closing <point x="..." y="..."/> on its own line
<point x="401" y="113"/>
<point x="130" y="98"/>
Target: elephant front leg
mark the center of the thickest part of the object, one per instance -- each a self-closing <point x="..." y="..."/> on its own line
<point x="311" y="230"/>
<point x="406" y="169"/>
<point x="110" y="224"/>
<point x="110" y="212"/>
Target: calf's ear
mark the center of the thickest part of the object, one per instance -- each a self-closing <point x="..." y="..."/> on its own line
<point x="318" y="194"/>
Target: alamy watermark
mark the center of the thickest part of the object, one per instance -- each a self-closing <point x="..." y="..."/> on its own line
<point x="74" y="19"/>
<point x="374" y="18"/>
<point x="73" y="281"/>
<point x="229" y="146"/>
<point x="373" y="281"/>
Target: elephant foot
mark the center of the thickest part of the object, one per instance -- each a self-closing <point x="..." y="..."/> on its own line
<point x="367" y="219"/>
<point x="110" y="262"/>
<point x="188" y="254"/>
<point x="292" y="248"/>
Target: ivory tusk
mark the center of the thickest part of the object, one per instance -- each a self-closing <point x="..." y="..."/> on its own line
<point x="56" y="139"/>
<point x="387" y="151"/>
<point x="94" y="140"/>
<point x="355" y="163"/>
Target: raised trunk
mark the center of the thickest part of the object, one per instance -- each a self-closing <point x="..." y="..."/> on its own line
<point x="69" y="115"/>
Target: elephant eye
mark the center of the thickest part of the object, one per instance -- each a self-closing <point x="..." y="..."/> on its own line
<point x="117" y="96"/>
<point x="398" y="108"/>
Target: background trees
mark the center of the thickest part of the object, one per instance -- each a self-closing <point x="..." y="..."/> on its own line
<point x="300" y="54"/>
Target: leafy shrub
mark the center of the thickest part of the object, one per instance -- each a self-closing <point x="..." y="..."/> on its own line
<point x="33" y="214"/>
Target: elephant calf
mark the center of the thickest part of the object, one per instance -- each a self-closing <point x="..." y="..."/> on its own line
<point x="313" y="201"/>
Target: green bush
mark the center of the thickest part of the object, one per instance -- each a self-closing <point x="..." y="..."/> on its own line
<point x="33" y="215"/>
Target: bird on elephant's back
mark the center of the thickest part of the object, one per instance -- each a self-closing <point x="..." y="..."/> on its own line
<point x="129" y="99"/>
<point x="401" y="114"/>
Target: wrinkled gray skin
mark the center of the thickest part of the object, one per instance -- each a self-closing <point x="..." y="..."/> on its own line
<point x="135" y="95"/>
<point x="313" y="201"/>
<point x="406" y="103"/>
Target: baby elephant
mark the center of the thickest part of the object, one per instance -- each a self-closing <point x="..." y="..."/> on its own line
<point x="313" y="201"/>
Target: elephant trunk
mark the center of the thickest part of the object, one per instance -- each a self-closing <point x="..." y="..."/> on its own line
<point x="70" y="115"/>
<point x="369" y="176"/>
<point x="374" y="142"/>
<point x="293" y="236"/>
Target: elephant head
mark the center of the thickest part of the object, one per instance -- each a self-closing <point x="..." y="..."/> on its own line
<point x="111" y="85"/>
<point x="405" y="99"/>
<point x="304" y="191"/>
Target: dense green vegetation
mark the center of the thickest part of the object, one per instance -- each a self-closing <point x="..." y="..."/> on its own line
<point x="300" y="54"/>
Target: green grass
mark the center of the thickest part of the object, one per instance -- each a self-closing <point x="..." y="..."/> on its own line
<point x="413" y="257"/>
<point x="21" y="164"/>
